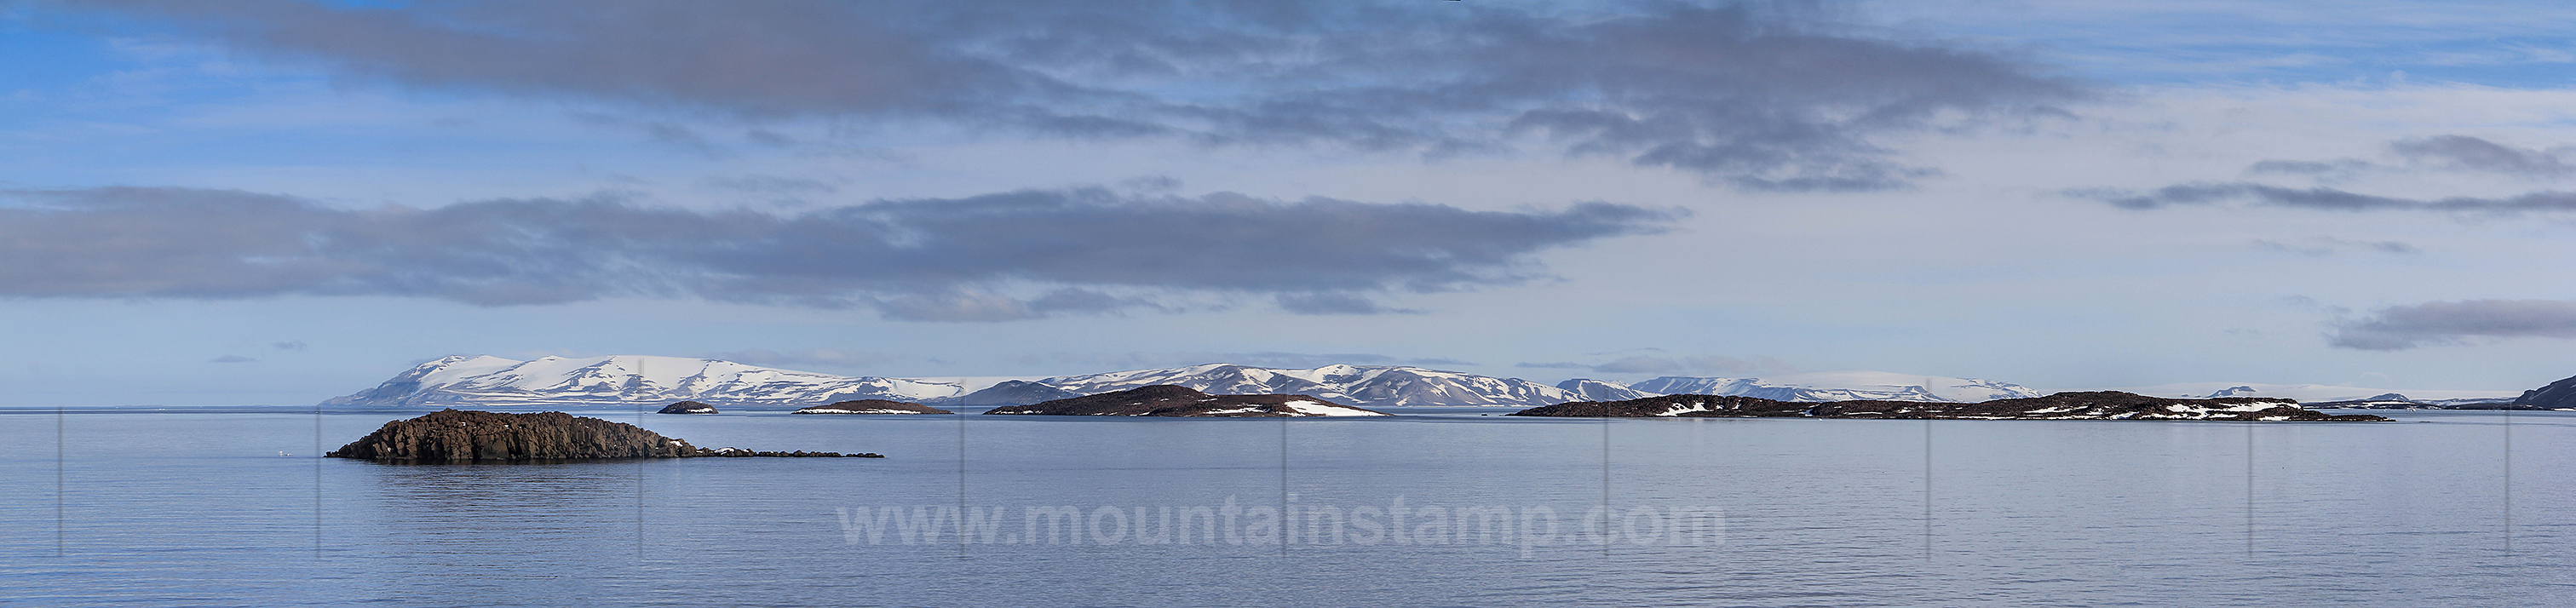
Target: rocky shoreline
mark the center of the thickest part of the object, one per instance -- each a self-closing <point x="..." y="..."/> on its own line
<point x="1179" y="401"/>
<point x="2095" y="405"/>
<point x="456" y="436"/>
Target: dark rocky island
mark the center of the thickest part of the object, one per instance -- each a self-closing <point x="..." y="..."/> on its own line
<point x="2560" y="395"/>
<point x="688" y="407"/>
<point x="1014" y="392"/>
<point x="453" y="435"/>
<point x="1170" y="400"/>
<point x="2395" y="401"/>
<point x="872" y="406"/>
<point x="2100" y="405"/>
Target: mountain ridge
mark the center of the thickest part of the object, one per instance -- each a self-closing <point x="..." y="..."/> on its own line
<point x="487" y="381"/>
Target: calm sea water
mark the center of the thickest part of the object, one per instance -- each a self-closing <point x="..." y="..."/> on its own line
<point x="229" y="507"/>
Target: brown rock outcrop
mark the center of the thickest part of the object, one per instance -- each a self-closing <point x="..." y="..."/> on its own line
<point x="453" y="435"/>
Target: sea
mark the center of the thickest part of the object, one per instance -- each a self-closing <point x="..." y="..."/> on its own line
<point x="231" y="506"/>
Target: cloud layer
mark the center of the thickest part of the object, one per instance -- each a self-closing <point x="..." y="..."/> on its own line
<point x="2461" y="152"/>
<point x="987" y="258"/>
<point x="2435" y="323"/>
<point x="2439" y="153"/>
<point x="2328" y="199"/>
<point x="1763" y="98"/>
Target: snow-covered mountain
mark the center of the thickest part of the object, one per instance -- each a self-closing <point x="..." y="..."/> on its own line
<point x="1587" y="389"/>
<point x="1361" y="385"/>
<point x="1841" y="386"/>
<point x="487" y="381"/>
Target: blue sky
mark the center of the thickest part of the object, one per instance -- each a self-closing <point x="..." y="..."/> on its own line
<point x="281" y="201"/>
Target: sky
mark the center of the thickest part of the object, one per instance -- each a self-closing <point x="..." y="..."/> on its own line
<point x="279" y="201"/>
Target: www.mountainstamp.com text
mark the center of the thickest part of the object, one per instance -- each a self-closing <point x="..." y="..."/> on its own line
<point x="1236" y="522"/>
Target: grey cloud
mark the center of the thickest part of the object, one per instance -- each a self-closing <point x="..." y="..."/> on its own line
<point x="2288" y="248"/>
<point x="1639" y="365"/>
<point x="2330" y="199"/>
<point x="289" y="345"/>
<point x="2335" y="169"/>
<point x="772" y="184"/>
<point x="1760" y="96"/>
<point x="660" y="131"/>
<point x="956" y="306"/>
<point x="770" y="138"/>
<point x="231" y="359"/>
<point x="2436" y="323"/>
<point x="1089" y="300"/>
<point x="974" y="305"/>
<point x="1333" y="304"/>
<point x="672" y="133"/>
<point x="2470" y="153"/>
<point x="2326" y="246"/>
<point x="968" y="259"/>
<point x="2443" y="152"/>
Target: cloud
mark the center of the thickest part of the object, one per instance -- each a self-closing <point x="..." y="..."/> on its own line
<point x="1701" y="364"/>
<point x="2436" y="323"/>
<point x="2439" y="152"/>
<point x="2328" y="199"/>
<point x="1334" y="304"/>
<point x="2469" y="153"/>
<point x="997" y="257"/>
<point x="289" y="345"/>
<point x="231" y="359"/>
<point x="771" y="184"/>
<point x="1771" y="97"/>
<point x="2339" y="168"/>
<point x="2326" y="246"/>
<point x="1553" y="365"/>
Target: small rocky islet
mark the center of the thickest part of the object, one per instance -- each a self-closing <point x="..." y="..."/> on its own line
<point x="461" y="436"/>
<point x="687" y="407"/>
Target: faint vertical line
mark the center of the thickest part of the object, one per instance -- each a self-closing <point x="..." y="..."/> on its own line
<point x="2249" y="489"/>
<point x="1283" y="487"/>
<point x="961" y="482"/>
<point x="1605" y="483"/>
<point x="317" y="480"/>
<point x="1927" y="487"/>
<point x="639" y="471"/>
<point x="58" y="479"/>
<point x="2508" y="479"/>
